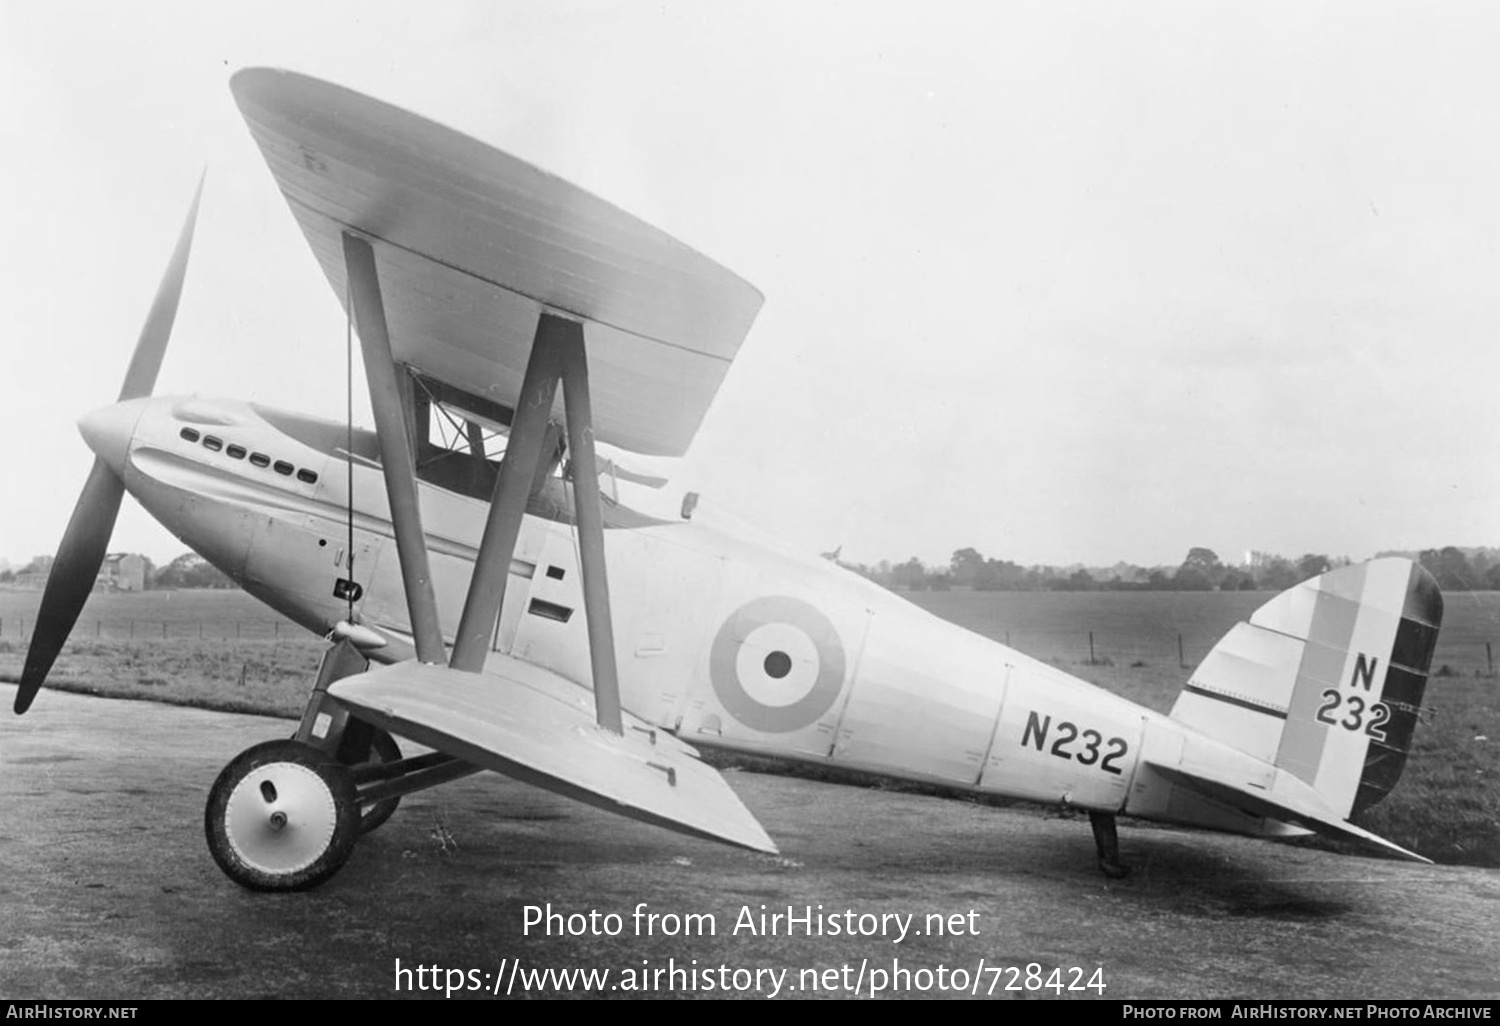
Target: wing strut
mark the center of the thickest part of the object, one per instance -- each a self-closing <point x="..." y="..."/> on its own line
<point x="585" y="474"/>
<point x="395" y="449"/>
<point x="557" y="351"/>
<point x="528" y="428"/>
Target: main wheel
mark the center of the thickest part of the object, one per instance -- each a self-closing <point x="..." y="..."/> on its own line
<point x="383" y="752"/>
<point x="282" y="816"/>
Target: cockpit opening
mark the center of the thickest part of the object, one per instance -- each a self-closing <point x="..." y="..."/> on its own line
<point x="462" y="439"/>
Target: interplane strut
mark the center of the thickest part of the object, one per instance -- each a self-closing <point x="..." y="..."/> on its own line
<point x="585" y="474"/>
<point x="528" y="429"/>
<point x="395" y="449"/>
<point x="557" y="354"/>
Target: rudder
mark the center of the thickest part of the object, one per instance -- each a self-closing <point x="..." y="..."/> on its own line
<point x="1325" y="680"/>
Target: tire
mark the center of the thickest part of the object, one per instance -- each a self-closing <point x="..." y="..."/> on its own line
<point x="282" y="816"/>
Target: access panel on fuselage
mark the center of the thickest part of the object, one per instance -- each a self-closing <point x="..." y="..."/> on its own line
<point x="542" y="619"/>
<point x="777" y="668"/>
<point x="665" y="582"/>
<point x="453" y="526"/>
<point x="301" y="567"/>
<point x="924" y="700"/>
<point x="385" y="602"/>
<point x="1060" y="739"/>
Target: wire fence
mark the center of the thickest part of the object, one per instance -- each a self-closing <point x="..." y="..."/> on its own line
<point x="19" y="628"/>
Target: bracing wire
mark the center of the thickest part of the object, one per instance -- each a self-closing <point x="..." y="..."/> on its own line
<point x="572" y="494"/>
<point x="349" y="434"/>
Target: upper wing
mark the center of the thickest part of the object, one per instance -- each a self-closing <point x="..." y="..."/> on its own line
<point x="472" y="244"/>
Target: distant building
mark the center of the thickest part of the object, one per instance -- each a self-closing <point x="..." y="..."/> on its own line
<point x="33" y="576"/>
<point x="122" y="571"/>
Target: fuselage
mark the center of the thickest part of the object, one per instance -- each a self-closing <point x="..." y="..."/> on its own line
<point x="722" y="639"/>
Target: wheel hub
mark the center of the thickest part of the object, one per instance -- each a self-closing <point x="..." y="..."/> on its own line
<point x="280" y="817"/>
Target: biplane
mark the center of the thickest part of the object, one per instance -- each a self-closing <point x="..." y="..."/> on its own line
<point x="488" y="594"/>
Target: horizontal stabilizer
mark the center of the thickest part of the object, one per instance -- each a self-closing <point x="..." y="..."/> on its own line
<point x="528" y="723"/>
<point x="1287" y="799"/>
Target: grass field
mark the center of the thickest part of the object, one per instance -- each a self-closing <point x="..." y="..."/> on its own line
<point x="213" y="649"/>
<point x="224" y="650"/>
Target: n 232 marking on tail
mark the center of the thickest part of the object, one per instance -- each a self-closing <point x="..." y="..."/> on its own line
<point x="1350" y="711"/>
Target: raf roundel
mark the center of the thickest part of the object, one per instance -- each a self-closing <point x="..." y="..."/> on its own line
<point x="777" y="664"/>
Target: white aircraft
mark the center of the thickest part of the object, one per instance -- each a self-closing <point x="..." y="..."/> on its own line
<point x="487" y="598"/>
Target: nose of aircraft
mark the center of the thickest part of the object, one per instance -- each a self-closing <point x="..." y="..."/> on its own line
<point x="108" y="431"/>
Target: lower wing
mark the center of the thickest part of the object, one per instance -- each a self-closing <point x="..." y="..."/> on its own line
<point x="529" y="723"/>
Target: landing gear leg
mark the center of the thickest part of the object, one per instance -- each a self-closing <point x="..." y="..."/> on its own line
<point x="1107" y="840"/>
<point x="284" y="815"/>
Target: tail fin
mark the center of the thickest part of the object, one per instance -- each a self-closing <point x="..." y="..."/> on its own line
<point x="1325" y="681"/>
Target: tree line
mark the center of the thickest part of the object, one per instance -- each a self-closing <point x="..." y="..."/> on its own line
<point x="1200" y="570"/>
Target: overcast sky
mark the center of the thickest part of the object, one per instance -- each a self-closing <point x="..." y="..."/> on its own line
<point x="1062" y="282"/>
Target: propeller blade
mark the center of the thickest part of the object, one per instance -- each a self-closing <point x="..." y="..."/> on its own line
<point x="140" y="379"/>
<point x="87" y="538"/>
<point x="72" y="578"/>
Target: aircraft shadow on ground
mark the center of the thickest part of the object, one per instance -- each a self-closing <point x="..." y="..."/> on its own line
<point x="901" y="845"/>
<point x="1198" y="881"/>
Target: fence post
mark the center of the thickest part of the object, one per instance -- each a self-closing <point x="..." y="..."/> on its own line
<point x="1007" y="639"/>
<point x="164" y="630"/>
<point x="1489" y="657"/>
<point x="276" y="629"/>
<point x="98" y="626"/>
<point x="200" y="630"/>
<point x="1181" y="659"/>
<point x="1091" y="648"/>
